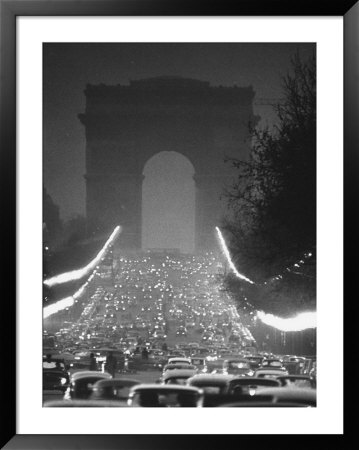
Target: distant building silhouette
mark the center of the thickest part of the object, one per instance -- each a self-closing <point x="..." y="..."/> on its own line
<point x="127" y="125"/>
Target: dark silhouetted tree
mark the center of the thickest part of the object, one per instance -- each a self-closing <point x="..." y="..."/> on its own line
<point x="272" y="206"/>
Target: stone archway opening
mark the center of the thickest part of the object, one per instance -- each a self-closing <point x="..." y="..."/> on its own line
<point x="168" y="203"/>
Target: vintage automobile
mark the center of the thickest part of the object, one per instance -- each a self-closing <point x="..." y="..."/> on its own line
<point x="113" y="389"/>
<point x="211" y="384"/>
<point x="272" y="363"/>
<point x="81" y="384"/>
<point x="303" y="396"/>
<point x="235" y="366"/>
<point x="250" y="385"/>
<point x="54" y="375"/>
<point x="177" y="376"/>
<point x="154" y="395"/>
<point x="84" y="403"/>
<point x="254" y="361"/>
<point x="260" y="403"/>
<point x="55" y="380"/>
<point x="178" y="366"/>
<point x="200" y="363"/>
<point x="179" y="360"/>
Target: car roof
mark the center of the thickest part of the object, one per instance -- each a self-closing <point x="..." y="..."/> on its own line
<point x="88" y="374"/>
<point x="295" y="377"/>
<point x="253" y="380"/>
<point x="272" y="371"/>
<point x="272" y="359"/>
<point x="84" y="403"/>
<point x="179" y="373"/>
<point x="179" y="358"/>
<point x="211" y="378"/>
<point x="179" y="366"/>
<point x="125" y="382"/>
<point x="262" y="404"/>
<point x="237" y="360"/>
<point x="291" y="393"/>
<point x="164" y="388"/>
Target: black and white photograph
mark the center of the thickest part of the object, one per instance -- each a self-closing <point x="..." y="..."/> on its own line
<point x="179" y="224"/>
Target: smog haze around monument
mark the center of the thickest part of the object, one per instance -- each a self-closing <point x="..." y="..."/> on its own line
<point x="158" y="121"/>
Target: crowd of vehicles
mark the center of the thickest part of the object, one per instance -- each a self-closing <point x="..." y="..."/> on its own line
<point x="175" y="342"/>
<point x="180" y="383"/>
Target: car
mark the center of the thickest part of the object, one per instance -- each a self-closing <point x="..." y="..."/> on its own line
<point x="294" y="364"/>
<point x="210" y="384"/>
<point x="81" y="384"/>
<point x="260" y="403"/>
<point x="250" y="385"/>
<point x="235" y="366"/>
<point x="304" y="396"/>
<point x="207" y="337"/>
<point x="254" y="361"/>
<point x="55" y="380"/>
<point x="200" y="363"/>
<point x="178" y="366"/>
<point x="181" y="331"/>
<point x="113" y="389"/>
<point x="179" y="360"/>
<point x="272" y="364"/>
<point x="159" y="335"/>
<point x="177" y="376"/>
<point x="154" y="395"/>
<point x="218" y="339"/>
<point x="84" y="403"/>
<point x="193" y="345"/>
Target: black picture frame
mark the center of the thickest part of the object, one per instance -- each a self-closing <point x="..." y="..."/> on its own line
<point x="9" y="10"/>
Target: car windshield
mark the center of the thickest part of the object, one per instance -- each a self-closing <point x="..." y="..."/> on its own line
<point x="298" y="383"/>
<point x="197" y="362"/>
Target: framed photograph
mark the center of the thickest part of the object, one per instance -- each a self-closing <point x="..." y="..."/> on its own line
<point x="174" y="180"/>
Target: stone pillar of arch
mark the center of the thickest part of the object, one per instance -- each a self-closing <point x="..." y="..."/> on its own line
<point x="125" y="125"/>
<point x="115" y="199"/>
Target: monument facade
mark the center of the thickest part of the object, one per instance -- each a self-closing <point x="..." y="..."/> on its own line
<point x="126" y="125"/>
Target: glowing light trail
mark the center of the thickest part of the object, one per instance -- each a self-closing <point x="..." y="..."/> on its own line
<point x="68" y="301"/>
<point x="228" y="256"/>
<point x="301" y="322"/>
<point x="58" y="306"/>
<point x="80" y="273"/>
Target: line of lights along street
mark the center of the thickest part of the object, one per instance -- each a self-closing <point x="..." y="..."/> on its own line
<point x="80" y="273"/>
<point x="300" y="322"/>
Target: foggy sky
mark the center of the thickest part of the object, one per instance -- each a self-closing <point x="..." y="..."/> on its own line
<point x="69" y="67"/>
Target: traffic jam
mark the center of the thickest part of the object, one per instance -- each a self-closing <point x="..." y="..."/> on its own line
<point x="157" y="329"/>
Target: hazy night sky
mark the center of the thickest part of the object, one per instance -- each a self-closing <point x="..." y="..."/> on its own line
<point x="69" y="67"/>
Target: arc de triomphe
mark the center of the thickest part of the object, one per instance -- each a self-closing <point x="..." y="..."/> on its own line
<point x="126" y="125"/>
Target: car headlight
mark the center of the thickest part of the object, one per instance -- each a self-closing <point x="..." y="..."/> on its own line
<point x="63" y="381"/>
